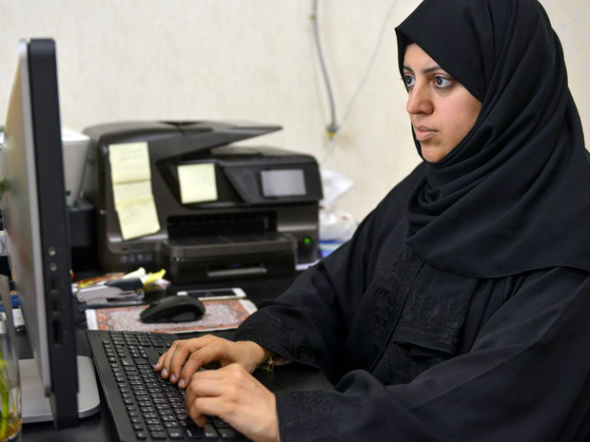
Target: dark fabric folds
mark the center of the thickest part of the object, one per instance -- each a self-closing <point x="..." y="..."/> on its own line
<point x="458" y="311"/>
<point x="513" y="195"/>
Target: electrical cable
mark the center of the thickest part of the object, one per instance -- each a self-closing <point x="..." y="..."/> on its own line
<point x="369" y="65"/>
<point x="333" y="127"/>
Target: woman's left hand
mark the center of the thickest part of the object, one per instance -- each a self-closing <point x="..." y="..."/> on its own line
<point x="235" y="396"/>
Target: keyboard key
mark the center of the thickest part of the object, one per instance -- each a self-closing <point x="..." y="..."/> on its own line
<point x="209" y="431"/>
<point x="193" y="432"/>
<point x="219" y="423"/>
<point x="175" y="434"/>
<point x="228" y="433"/>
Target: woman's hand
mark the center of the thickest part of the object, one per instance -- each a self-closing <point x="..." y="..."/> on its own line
<point x="235" y="396"/>
<point x="187" y="356"/>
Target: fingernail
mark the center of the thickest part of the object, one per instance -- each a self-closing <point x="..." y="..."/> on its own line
<point x="164" y="373"/>
<point x="173" y="378"/>
<point x="157" y="366"/>
<point x="181" y="383"/>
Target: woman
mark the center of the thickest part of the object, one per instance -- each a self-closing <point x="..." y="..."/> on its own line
<point x="459" y="310"/>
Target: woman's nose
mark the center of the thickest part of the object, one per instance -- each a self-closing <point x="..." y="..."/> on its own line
<point x="419" y="101"/>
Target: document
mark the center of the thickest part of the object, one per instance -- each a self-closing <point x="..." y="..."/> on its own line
<point x="132" y="189"/>
<point x="197" y="183"/>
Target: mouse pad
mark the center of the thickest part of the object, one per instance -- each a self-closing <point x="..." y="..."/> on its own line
<point x="219" y="315"/>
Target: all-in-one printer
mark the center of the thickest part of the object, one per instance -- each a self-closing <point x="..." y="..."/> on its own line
<point x="222" y="211"/>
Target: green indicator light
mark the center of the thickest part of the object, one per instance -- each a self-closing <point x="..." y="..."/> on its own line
<point x="307" y="240"/>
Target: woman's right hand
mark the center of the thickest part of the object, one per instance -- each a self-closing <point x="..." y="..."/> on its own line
<point x="185" y="357"/>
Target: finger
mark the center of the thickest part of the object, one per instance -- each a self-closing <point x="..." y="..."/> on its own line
<point x="230" y="383"/>
<point x="196" y="415"/>
<point x="174" y="362"/>
<point x="177" y="360"/>
<point x="204" y="383"/>
<point x="205" y="355"/>
<point x="164" y="359"/>
<point x="174" y="357"/>
<point x="163" y="364"/>
<point x="159" y="363"/>
<point x="206" y="406"/>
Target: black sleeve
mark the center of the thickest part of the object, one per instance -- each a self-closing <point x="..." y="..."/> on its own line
<point x="307" y="322"/>
<point x="526" y="378"/>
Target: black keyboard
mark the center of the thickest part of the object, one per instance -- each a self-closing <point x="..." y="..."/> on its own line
<point x="144" y="406"/>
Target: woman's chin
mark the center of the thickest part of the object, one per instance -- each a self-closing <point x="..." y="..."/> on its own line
<point x="432" y="154"/>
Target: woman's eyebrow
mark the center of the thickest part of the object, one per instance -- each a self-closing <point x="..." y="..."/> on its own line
<point x="428" y="70"/>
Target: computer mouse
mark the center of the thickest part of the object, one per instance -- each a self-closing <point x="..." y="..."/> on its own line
<point x="173" y="309"/>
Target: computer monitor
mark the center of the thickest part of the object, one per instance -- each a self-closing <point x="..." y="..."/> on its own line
<point x="36" y="229"/>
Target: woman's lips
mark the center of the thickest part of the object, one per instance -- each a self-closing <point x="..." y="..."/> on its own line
<point x="424" y="133"/>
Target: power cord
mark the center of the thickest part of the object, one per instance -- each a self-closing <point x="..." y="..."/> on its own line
<point x="333" y="127"/>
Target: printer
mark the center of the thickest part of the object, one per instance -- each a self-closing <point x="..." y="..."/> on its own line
<point x="210" y="210"/>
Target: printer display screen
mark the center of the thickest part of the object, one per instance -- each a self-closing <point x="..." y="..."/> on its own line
<point x="286" y="182"/>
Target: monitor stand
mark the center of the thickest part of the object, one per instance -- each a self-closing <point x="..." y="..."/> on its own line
<point x="35" y="405"/>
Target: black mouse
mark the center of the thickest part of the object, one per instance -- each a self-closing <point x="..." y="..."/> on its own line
<point x="173" y="309"/>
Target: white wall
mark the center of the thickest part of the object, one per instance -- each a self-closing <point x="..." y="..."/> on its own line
<point x="250" y="60"/>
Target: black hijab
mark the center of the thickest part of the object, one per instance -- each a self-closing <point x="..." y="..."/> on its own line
<point x="514" y="195"/>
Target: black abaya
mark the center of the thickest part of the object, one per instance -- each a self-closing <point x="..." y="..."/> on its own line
<point x="419" y="354"/>
<point x="459" y="310"/>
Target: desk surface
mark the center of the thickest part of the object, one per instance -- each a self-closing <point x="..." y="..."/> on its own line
<point x="100" y="426"/>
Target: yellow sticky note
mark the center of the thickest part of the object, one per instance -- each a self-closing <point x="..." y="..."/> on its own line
<point x="138" y="218"/>
<point x="132" y="189"/>
<point x="125" y="193"/>
<point x="197" y="183"/>
<point x="129" y="162"/>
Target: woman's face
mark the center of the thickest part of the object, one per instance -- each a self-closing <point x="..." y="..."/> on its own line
<point x="442" y="110"/>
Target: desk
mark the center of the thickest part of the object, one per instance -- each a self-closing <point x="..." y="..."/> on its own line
<point x="100" y="427"/>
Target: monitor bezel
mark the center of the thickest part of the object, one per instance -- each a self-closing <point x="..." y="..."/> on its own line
<point x="47" y="301"/>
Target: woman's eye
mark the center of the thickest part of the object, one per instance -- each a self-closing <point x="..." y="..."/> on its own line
<point x="442" y="82"/>
<point x="409" y="81"/>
